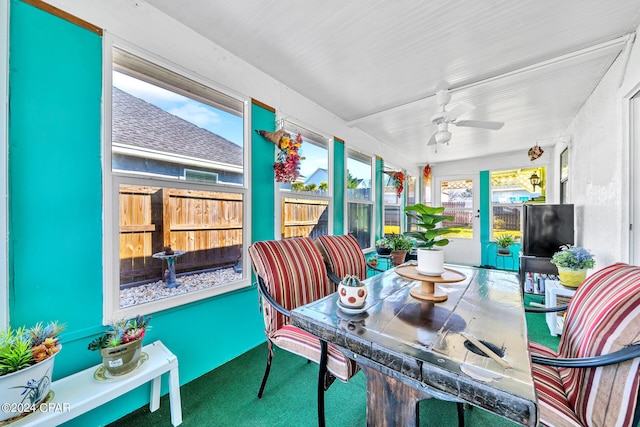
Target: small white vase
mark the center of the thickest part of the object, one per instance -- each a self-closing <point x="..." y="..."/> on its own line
<point x="430" y="262"/>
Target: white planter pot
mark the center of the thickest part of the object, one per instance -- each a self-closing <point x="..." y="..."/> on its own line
<point x="352" y="296"/>
<point x="25" y="389"/>
<point x="430" y="262"/>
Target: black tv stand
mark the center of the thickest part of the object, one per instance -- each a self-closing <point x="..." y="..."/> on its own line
<point x="534" y="264"/>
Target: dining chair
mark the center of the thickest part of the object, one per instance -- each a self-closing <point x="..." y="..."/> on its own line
<point x="592" y="380"/>
<point x="292" y="273"/>
<point x="343" y="256"/>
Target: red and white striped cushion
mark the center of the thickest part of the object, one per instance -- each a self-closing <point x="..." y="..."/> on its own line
<point x="294" y="274"/>
<point x="552" y="400"/>
<point x="343" y="255"/>
<point x="603" y="317"/>
<point x="306" y="345"/>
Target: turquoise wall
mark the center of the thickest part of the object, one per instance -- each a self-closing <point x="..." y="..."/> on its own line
<point x="379" y="165"/>
<point x="339" y="177"/>
<point x="262" y="176"/>
<point x="55" y="214"/>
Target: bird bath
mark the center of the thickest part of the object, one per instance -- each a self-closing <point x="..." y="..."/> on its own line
<point x="170" y="273"/>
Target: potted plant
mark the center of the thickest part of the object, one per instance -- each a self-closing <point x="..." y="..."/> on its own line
<point x="352" y="292"/>
<point x="429" y="238"/>
<point x="399" y="245"/>
<point x="382" y="246"/>
<point x="572" y="263"/>
<point x="504" y="242"/>
<point x="121" y="346"/>
<point x="26" y="365"/>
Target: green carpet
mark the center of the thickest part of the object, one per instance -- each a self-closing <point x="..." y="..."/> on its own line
<point x="226" y="396"/>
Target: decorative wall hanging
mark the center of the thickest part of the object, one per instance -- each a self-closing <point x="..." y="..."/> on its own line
<point x="398" y="181"/>
<point x="535" y="152"/>
<point x="287" y="165"/>
<point x="426" y="174"/>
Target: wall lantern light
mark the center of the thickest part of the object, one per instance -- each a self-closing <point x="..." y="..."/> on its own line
<point x="534" y="179"/>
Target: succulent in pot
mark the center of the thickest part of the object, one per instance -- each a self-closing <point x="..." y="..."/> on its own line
<point x="382" y="246"/>
<point x="121" y="346"/>
<point x="504" y="241"/>
<point x="352" y="292"/>
<point x="429" y="236"/>
<point x="26" y="366"/>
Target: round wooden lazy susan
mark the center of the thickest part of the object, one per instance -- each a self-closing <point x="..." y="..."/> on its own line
<point x="428" y="290"/>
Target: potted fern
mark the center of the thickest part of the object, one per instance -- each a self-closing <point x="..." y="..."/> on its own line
<point x="26" y="366"/>
<point x="504" y="242"/>
<point x="429" y="237"/>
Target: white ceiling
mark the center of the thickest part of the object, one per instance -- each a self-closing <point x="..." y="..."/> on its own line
<point x="376" y="64"/>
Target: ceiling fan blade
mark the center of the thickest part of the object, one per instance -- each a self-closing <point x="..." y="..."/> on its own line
<point x="432" y="140"/>
<point x="458" y="110"/>
<point x="483" y="124"/>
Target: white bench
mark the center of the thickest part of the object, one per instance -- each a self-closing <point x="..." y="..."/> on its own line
<point x="79" y="393"/>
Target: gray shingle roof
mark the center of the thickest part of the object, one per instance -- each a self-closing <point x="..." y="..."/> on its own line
<point x="140" y="124"/>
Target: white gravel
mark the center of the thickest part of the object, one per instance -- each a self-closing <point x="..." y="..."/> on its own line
<point x="194" y="282"/>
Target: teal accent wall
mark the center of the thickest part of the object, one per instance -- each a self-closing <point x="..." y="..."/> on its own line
<point x="489" y="249"/>
<point x="262" y="177"/>
<point x="379" y="165"/>
<point x="55" y="215"/>
<point x="339" y="178"/>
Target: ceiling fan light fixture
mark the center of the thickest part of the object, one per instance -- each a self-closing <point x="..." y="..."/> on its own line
<point x="443" y="136"/>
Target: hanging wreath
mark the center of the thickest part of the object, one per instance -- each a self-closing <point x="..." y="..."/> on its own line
<point x="535" y="152"/>
<point x="398" y="181"/>
<point x="287" y="165"/>
<point x="426" y="173"/>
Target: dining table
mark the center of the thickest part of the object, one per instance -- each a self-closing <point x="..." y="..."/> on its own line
<point x="471" y="347"/>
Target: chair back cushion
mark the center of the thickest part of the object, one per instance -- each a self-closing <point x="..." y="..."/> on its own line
<point x="343" y="255"/>
<point x="603" y="316"/>
<point x="294" y="273"/>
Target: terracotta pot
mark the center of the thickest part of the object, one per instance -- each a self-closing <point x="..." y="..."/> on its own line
<point x="571" y="278"/>
<point x="121" y="359"/>
<point x="26" y="387"/>
<point x="397" y="257"/>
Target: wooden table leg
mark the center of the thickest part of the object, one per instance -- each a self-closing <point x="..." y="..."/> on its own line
<point x="390" y="402"/>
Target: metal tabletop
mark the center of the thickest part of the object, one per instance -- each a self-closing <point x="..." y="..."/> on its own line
<point x="417" y="347"/>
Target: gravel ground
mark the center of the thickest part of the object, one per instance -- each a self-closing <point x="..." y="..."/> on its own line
<point x="194" y="282"/>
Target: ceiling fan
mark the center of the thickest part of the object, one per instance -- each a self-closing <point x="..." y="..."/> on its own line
<point x="443" y="118"/>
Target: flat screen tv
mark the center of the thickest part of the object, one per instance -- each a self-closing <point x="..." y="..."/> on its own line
<point x="545" y="228"/>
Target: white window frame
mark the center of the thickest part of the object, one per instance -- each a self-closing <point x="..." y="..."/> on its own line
<point x="370" y="202"/>
<point x="112" y="180"/>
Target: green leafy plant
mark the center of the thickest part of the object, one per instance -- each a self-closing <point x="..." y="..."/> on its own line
<point x="428" y="219"/>
<point x="382" y="242"/>
<point x="121" y="332"/>
<point x="22" y="347"/>
<point x="505" y="240"/>
<point x="573" y="257"/>
<point x="399" y="242"/>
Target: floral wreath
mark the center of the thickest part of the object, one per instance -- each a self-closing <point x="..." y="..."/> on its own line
<point x="535" y="152"/>
<point x="287" y="165"/>
<point x="398" y="181"/>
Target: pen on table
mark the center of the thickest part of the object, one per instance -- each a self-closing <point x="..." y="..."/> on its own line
<point x="486" y="350"/>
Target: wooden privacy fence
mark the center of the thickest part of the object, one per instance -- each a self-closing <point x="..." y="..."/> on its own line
<point x="462" y="216"/>
<point x="207" y="225"/>
<point x="304" y="218"/>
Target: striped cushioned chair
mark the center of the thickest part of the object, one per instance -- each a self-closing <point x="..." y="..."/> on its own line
<point x="343" y="256"/>
<point x="593" y="378"/>
<point x="291" y="273"/>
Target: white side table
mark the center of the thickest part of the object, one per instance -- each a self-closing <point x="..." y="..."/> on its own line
<point x="79" y="393"/>
<point x="554" y="295"/>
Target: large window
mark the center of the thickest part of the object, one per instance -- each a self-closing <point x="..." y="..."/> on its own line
<point x="360" y="198"/>
<point x="509" y="190"/>
<point x="411" y="187"/>
<point x="176" y="184"/>
<point x="305" y="203"/>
